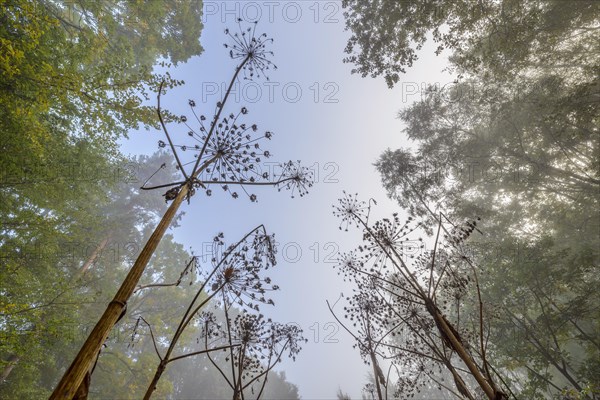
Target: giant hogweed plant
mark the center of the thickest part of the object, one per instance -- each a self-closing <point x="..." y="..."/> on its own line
<point x="227" y="153"/>
<point x="406" y="309"/>
<point x="253" y="343"/>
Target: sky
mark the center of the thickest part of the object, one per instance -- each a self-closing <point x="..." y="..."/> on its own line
<point x="337" y="124"/>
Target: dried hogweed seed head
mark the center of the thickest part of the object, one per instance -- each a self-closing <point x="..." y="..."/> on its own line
<point x="234" y="149"/>
<point x="251" y="50"/>
<point x="350" y="210"/>
<point x="239" y="271"/>
<point x="296" y="178"/>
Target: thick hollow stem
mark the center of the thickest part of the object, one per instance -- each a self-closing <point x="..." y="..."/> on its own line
<point x="157" y="375"/>
<point x="74" y="375"/>
<point x="457" y="346"/>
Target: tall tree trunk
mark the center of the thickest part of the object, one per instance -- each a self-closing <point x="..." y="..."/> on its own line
<point x="13" y="359"/>
<point x="92" y="259"/>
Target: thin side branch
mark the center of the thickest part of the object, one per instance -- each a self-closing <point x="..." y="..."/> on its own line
<point x="162" y="123"/>
<point x="153" y="339"/>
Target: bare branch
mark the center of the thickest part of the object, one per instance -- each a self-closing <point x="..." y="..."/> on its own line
<point x="153" y="340"/>
<point x="162" y="123"/>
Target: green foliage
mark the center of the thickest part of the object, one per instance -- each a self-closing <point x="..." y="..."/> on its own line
<point x="74" y="77"/>
<point x="489" y="151"/>
<point x="49" y="301"/>
<point x="147" y="31"/>
<point x="66" y="94"/>
<point x="71" y="71"/>
<point x="46" y="233"/>
<point x="484" y="35"/>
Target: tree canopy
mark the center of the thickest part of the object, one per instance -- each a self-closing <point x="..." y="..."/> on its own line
<point x="73" y="79"/>
<point x="502" y="36"/>
<point x="514" y="140"/>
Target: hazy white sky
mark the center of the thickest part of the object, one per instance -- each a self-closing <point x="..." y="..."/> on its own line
<point x="337" y="123"/>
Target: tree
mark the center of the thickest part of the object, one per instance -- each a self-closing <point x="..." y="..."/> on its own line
<point x="80" y="76"/>
<point x="533" y="141"/>
<point x="64" y="246"/>
<point x="487" y="35"/>
<point x="45" y="235"/>
<point x="71" y="85"/>
<point x="145" y="32"/>
<point x="515" y="142"/>
<point x="545" y="329"/>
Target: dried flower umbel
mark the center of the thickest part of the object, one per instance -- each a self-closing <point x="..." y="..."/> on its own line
<point x="246" y="46"/>
<point x="350" y="210"/>
<point x="227" y="151"/>
<point x="260" y="344"/>
<point x="238" y="271"/>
